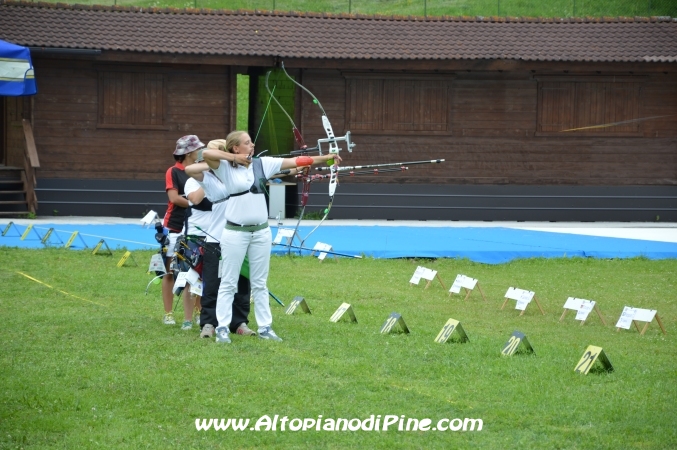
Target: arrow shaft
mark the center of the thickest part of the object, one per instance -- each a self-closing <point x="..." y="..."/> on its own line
<point x="324" y="251"/>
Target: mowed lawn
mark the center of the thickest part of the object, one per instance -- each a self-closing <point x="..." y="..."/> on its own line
<point x="94" y="367"/>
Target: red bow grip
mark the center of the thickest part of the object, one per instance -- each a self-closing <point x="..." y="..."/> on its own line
<point x="304" y="161"/>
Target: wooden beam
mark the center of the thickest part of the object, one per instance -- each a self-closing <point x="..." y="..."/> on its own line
<point x="30" y="144"/>
<point x="375" y="64"/>
<point x="480" y="65"/>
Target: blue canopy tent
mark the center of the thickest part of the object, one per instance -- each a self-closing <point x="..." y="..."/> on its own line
<point x="16" y="71"/>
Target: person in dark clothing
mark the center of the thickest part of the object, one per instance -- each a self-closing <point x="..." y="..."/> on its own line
<point x="185" y="154"/>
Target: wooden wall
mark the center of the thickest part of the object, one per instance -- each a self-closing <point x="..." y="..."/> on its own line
<point x="492" y="136"/>
<point x="73" y="143"/>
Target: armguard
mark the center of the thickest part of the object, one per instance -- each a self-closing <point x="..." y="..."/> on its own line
<point x="304" y="161"/>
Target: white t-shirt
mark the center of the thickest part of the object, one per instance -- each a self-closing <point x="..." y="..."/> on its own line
<point x="198" y="218"/>
<point x="246" y="209"/>
<point x="215" y="191"/>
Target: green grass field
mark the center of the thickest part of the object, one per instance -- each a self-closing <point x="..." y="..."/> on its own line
<point x="97" y="369"/>
<point x="531" y="8"/>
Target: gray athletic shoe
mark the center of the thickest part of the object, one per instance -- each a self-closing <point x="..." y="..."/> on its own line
<point x="268" y="333"/>
<point x="244" y="330"/>
<point x="222" y="335"/>
<point x="207" y="331"/>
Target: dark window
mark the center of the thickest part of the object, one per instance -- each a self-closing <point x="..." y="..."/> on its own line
<point x="589" y="107"/>
<point x="132" y="100"/>
<point x="397" y="105"/>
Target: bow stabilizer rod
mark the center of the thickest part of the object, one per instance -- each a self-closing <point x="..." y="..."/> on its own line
<point x="373" y="166"/>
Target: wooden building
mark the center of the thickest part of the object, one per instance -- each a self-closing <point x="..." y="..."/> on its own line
<point x="537" y="119"/>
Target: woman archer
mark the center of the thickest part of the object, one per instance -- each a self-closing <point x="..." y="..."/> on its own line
<point x="246" y="231"/>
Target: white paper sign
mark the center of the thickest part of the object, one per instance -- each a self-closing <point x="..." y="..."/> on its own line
<point x="180" y="282"/>
<point x="192" y="277"/>
<point x="428" y="274"/>
<point x="585" y="308"/>
<point x="522" y="296"/>
<point x="644" y="315"/>
<point x="283" y="233"/>
<point x="196" y="288"/>
<point x="629" y="314"/>
<point x="320" y="247"/>
<point x="156" y="264"/>
<point x="149" y="218"/>
<point x="468" y="283"/>
<point x="626" y="318"/>
<point x="417" y="275"/>
<point x="582" y="307"/>
<point x="521" y="304"/>
<point x="462" y="281"/>
<point x="519" y="294"/>
<point x="573" y="303"/>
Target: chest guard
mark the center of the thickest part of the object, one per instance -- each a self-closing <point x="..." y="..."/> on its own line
<point x="259" y="185"/>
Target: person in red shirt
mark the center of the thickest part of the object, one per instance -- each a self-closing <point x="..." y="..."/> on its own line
<point x="175" y="180"/>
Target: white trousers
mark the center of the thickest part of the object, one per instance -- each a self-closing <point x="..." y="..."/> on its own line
<point x="234" y="246"/>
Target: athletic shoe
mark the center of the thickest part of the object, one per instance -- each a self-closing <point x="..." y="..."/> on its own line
<point x="187" y="325"/>
<point x="268" y="333"/>
<point x="169" y="319"/>
<point x="196" y="317"/>
<point x="222" y="335"/>
<point x="244" y="330"/>
<point x="207" y="331"/>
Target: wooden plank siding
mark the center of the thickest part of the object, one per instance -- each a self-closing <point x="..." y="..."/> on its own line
<point x="502" y="164"/>
<point x="491" y="138"/>
<point x="73" y="141"/>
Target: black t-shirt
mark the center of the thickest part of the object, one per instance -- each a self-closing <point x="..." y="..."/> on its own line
<point x="175" y="178"/>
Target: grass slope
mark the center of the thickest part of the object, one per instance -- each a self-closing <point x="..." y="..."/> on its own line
<point x="532" y="8"/>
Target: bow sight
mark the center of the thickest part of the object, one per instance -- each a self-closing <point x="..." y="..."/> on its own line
<point x="333" y="140"/>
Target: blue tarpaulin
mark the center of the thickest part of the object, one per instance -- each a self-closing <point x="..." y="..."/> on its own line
<point x="16" y="71"/>
<point x="486" y="245"/>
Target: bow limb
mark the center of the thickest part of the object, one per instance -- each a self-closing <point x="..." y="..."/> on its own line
<point x="326" y="213"/>
<point x="315" y="100"/>
<point x="306" y="180"/>
<point x="332" y="142"/>
<point x="331" y="139"/>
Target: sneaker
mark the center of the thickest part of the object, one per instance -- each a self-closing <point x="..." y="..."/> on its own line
<point x="244" y="330"/>
<point x="187" y="325"/>
<point x="268" y="333"/>
<point x="169" y="319"/>
<point x="207" y="331"/>
<point x="222" y="335"/>
<point x="196" y="317"/>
